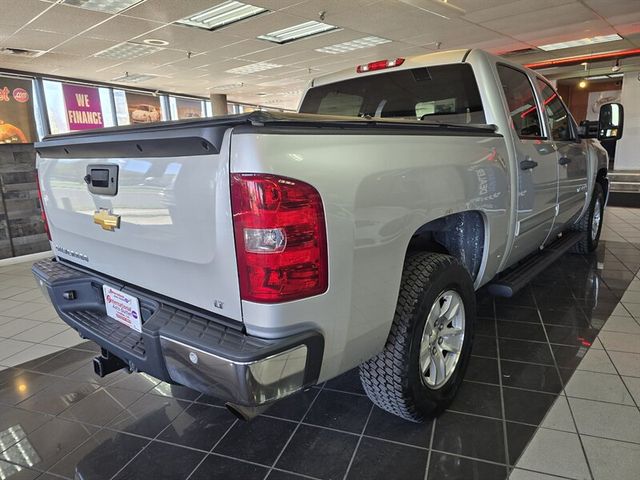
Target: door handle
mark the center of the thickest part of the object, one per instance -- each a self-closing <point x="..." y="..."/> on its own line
<point x="528" y="164"/>
<point x="564" y="161"/>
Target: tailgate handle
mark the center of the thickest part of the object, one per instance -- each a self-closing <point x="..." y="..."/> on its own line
<point x="102" y="179"/>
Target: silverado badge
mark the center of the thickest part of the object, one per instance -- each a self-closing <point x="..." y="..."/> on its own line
<point x="106" y="219"/>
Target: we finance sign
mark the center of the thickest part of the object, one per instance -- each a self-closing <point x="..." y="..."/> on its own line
<point x="83" y="107"/>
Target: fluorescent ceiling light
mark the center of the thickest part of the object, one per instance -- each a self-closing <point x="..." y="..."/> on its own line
<point x="226" y="88"/>
<point x="344" y="47"/>
<point x="616" y="75"/>
<point x="223" y="14"/>
<point x="253" y="68"/>
<point x="107" y="6"/>
<point x="128" y="51"/>
<point x="605" y="77"/>
<point x="134" y="78"/>
<point x="297" y="32"/>
<point x="580" y="42"/>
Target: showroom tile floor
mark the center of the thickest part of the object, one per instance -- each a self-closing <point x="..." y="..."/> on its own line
<point x="552" y="391"/>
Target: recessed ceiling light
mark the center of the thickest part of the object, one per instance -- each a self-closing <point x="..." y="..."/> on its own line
<point x="580" y="42"/>
<point x="224" y="14"/>
<point x="107" y="6"/>
<point x="344" y="47"/>
<point x="134" y="78"/>
<point x="296" y="32"/>
<point x="156" y="42"/>
<point x="127" y="51"/>
<point x="253" y="68"/>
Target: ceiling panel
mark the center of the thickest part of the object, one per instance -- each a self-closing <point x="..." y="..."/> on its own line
<point x="192" y="39"/>
<point x="168" y="11"/>
<point x="13" y="18"/>
<point x="35" y="39"/>
<point x="67" y="20"/>
<point x="120" y="28"/>
<point x="84" y="46"/>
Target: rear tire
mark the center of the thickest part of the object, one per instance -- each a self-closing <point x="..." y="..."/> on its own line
<point x="436" y="298"/>
<point x="590" y="225"/>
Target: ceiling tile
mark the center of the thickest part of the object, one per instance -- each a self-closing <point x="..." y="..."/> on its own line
<point x="84" y="46"/>
<point x="67" y="20"/>
<point x="169" y="11"/>
<point x="120" y="28"/>
<point x="18" y="17"/>
<point x="35" y="39"/>
<point x="191" y="38"/>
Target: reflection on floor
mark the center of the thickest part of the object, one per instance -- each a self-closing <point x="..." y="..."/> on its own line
<point x="552" y="391"/>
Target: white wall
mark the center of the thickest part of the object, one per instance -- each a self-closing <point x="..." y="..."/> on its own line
<point x="628" y="148"/>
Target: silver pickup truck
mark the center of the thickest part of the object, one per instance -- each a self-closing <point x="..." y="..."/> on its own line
<point x="252" y="256"/>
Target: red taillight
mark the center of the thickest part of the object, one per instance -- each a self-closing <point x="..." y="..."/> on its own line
<point x="281" y="242"/>
<point x="379" y="65"/>
<point x="43" y="214"/>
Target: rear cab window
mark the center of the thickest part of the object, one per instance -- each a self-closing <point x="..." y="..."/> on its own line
<point x="438" y="94"/>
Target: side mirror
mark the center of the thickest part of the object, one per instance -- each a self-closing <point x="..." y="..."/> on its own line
<point x="610" y="122"/>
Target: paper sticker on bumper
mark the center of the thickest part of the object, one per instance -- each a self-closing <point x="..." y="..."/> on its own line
<point x="122" y="307"/>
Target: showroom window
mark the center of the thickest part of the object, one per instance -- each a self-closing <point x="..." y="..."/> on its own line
<point x="136" y="107"/>
<point x="557" y="114"/>
<point x="181" y="108"/>
<point x="521" y="102"/>
<point x="444" y="93"/>
<point x="72" y="107"/>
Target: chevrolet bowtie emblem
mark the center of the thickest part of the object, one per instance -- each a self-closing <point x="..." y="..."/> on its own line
<point x="106" y="220"/>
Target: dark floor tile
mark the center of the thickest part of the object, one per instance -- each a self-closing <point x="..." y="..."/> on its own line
<point x="101" y="456"/>
<point x="518" y="437"/>
<point x="48" y="444"/>
<point x="23" y="385"/>
<point x="293" y="407"/>
<point x="485" y="326"/>
<point x="65" y="362"/>
<point x="175" y="391"/>
<point x="556" y="303"/>
<point x="569" y="357"/>
<point x="280" y="475"/>
<point x="573" y="316"/>
<point x="470" y="436"/>
<point x="530" y="376"/>
<point x="451" y="467"/>
<point x="217" y="467"/>
<point x="479" y="399"/>
<point x="58" y="397"/>
<point x="524" y="351"/>
<point x="391" y="427"/>
<point x="552" y="291"/>
<point x="484" y="346"/>
<point x="101" y="406"/>
<point x="209" y="400"/>
<point x="482" y="370"/>
<point x="521" y="331"/>
<point x="161" y="461"/>
<point x="199" y="426"/>
<point x="148" y="416"/>
<point x="140" y="382"/>
<point x="380" y="460"/>
<point x="86" y="373"/>
<point x="342" y="411"/>
<point x="526" y="406"/>
<point x="575" y="336"/>
<point x="524" y="298"/>
<point x="484" y="305"/>
<point x="318" y="452"/>
<point x="10" y="471"/>
<point x="259" y="441"/>
<point x="517" y="314"/>
<point x="347" y="382"/>
<point x="16" y="423"/>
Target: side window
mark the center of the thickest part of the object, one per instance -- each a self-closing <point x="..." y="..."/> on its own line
<point x="559" y="119"/>
<point x="521" y="101"/>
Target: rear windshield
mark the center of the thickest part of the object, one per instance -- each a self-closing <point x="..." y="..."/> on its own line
<point x="445" y="93"/>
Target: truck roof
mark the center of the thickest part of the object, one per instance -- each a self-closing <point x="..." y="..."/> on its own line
<point x="435" y="58"/>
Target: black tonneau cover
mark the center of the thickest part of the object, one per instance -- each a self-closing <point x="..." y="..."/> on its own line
<point x="204" y="136"/>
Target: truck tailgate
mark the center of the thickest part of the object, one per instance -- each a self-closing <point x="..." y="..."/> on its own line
<point x="174" y="233"/>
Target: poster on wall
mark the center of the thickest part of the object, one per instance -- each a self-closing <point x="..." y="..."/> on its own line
<point x="597" y="99"/>
<point x="188" y="108"/>
<point x="83" y="107"/>
<point x="17" y="118"/>
<point x="143" y="108"/>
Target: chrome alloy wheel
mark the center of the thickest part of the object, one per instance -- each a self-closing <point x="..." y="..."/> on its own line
<point x="597" y="218"/>
<point x="442" y="339"/>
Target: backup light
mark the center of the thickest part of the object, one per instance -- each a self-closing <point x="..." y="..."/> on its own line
<point x="107" y="6"/>
<point x="128" y="51"/>
<point x="281" y="240"/>
<point x="379" y="65"/>
<point x="580" y="42"/>
<point x="364" y="42"/>
<point x="221" y="15"/>
<point x="297" y="32"/>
